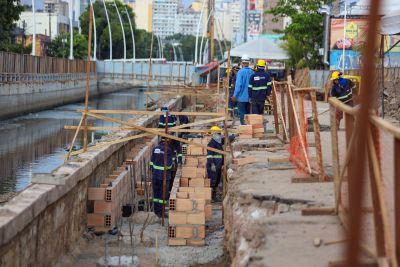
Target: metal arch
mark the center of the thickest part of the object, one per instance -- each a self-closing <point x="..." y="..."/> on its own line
<point x="109" y="28"/>
<point x="122" y="28"/>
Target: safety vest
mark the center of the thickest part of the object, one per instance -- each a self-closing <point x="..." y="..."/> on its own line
<point x="260" y="85"/>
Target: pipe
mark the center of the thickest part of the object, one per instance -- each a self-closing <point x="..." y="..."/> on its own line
<point x="94" y="33"/>
<point x="133" y="36"/>
<point x="198" y="32"/>
<point x="34" y="30"/>
<point x="71" y="32"/>
<point x="109" y="28"/>
<point x="327" y="23"/>
<point x="122" y="28"/>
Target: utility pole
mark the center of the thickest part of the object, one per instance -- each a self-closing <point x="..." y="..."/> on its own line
<point x="246" y="15"/>
<point x="211" y="7"/>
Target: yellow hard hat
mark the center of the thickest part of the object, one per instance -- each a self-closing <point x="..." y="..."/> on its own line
<point x="215" y="129"/>
<point x="228" y="70"/>
<point x="261" y="63"/>
<point x="335" y="75"/>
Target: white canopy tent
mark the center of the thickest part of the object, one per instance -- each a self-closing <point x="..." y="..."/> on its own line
<point x="390" y="24"/>
<point x="259" y="49"/>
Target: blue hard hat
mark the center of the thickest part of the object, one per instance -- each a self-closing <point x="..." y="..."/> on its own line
<point x="164" y="108"/>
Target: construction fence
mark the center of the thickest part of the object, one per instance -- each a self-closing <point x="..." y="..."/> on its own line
<point x="20" y="63"/>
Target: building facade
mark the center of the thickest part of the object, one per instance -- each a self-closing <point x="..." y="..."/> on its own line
<point x="164" y="17"/>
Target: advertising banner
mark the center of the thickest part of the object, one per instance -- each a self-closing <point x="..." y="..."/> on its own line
<point x="356" y="30"/>
<point x="254" y="24"/>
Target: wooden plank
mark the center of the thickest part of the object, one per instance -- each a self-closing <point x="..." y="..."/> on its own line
<point x="144" y="112"/>
<point x="397" y="196"/>
<point x="141" y="128"/>
<point x="317" y="135"/>
<point x="318" y="211"/>
<point x="335" y="155"/>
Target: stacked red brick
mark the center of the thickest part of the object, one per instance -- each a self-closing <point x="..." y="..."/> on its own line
<point x="106" y="200"/>
<point x="189" y="206"/>
<point x="254" y="127"/>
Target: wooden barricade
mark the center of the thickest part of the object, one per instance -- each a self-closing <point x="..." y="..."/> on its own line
<point x="381" y="209"/>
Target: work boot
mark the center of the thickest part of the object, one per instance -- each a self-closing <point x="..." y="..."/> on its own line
<point x="214" y="194"/>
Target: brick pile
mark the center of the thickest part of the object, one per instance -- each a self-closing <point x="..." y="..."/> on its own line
<point x="106" y="200"/>
<point x="189" y="204"/>
<point x="254" y="127"/>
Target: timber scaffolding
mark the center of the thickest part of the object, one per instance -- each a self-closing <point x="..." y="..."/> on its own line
<point x="123" y="187"/>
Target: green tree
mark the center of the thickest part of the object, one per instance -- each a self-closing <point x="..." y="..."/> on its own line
<point x="295" y="52"/>
<point x="306" y="26"/>
<point x="10" y="11"/>
<point x="102" y="31"/>
<point x="59" y="46"/>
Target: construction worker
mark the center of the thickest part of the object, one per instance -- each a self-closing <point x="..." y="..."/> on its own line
<point x="176" y="159"/>
<point x="342" y="89"/>
<point x="259" y="88"/>
<point x="157" y="166"/>
<point x="241" y="93"/>
<point x="162" y="121"/>
<point x="232" y="106"/>
<point x="214" y="159"/>
<point x="183" y="119"/>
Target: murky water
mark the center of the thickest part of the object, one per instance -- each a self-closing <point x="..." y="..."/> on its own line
<point x="36" y="143"/>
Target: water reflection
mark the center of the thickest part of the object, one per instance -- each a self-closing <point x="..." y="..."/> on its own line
<point x="35" y="143"/>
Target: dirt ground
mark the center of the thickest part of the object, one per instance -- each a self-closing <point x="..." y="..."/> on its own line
<point x="91" y="247"/>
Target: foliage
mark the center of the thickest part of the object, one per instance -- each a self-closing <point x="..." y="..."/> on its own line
<point x="10" y="11"/>
<point x="59" y="46"/>
<point x="187" y="43"/>
<point x="295" y="52"/>
<point x="306" y="27"/>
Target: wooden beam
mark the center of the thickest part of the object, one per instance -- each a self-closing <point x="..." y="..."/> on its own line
<point x="317" y="136"/>
<point x="151" y="131"/>
<point x="115" y="129"/>
<point x="397" y="196"/>
<point x="317" y="211"/>
<point x="144" y="112"/>
<point x="76" y="134"/>
<point x="183" y="93"/>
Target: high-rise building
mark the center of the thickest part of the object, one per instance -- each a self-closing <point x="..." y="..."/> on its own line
<point x="164" y="17"/>
<point x="186" y="21"/>
<point x="143" y="10"/>
<point x="269" y="25"/>
<point x="56" y="7"/>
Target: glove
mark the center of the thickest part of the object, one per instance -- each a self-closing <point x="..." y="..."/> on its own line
<point x="213" y="168"/>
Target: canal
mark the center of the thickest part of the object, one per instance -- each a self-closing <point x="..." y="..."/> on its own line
<point x="37" y="142"/>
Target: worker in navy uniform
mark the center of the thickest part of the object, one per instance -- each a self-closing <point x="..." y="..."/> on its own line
<point x="176" y="160"/>
<point x="183" y="119"/>
<point x="342" y="89"/>
<point x="162" y="121"/>
<point x="214" y="159"/>
<point x="232" y="107"/>
<point x="157" y="166"/>
<point x="260" y="87"/>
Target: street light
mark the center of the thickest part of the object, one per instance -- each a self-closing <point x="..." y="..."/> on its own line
<point x="133" y="36"/>
<point x="95" y="33"/>
<point x="71" y="30"/>
<point x="109" y="28"/>
<point x="34" y="30"/>
<point x="122" y="28"/>
<point x="198" y="31"/>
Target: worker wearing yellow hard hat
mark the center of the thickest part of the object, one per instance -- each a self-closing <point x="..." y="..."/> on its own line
<point x="260" y="87"/>
<point x="215" y="160"/>
<point x="342" y="89"/>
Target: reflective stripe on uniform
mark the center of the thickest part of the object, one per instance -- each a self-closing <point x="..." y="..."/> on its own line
<point x="250" y="86"/>
<point x="260" y="88"/>
<point x="345" y="96"/>
<point x="157" y="200"/>
<point x="169" y="123"/>
<point x="270" y="83"/>
<point x="214" y="156"/>
<point x="160" y="168"/>
<point x="179" y="155"/>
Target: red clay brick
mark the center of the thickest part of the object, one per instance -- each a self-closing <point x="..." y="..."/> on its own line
<point x="177" y="217"/>
<point x="196" y="218"/>
<point x="96" y="193"/>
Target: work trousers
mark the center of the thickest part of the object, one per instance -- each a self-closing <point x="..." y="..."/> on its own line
<point x="244" y="108"/>
<point x="257" y="107"/>
<point x="215" y="177"/>
<point x="158" y="190"/>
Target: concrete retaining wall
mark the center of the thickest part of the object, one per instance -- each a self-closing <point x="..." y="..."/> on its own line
<point x="45" y="221"/>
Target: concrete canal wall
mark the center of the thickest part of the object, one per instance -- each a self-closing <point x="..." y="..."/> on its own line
<point x="45" y="221"/>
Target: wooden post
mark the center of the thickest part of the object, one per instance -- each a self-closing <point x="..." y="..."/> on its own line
<point x="397" y="196"/>
<point x="150" y="59"/>
<point x="335" y="155"/>
<point x="88" y="77"/>
<point x="317" y="135"/>
<point x="275" y="107"/>
<point x="165" y="169"/>
<point x="218" y="74"/>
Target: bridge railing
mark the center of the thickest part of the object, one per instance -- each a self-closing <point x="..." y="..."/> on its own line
<point x="173" y="71"/>
<point x="41" y="77"/>
<point x="21" y="63"/>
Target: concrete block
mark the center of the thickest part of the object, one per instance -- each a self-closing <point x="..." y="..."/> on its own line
<point x="189" y="172"/>
<point x="182" y="195"/>
<point x="177" y="217"/>
<point x="96" y="193"/>
<point x="176" y="242"/>
<point x="48" y="178"/>
<point x="100" y="206"/>
<point x="186" y="189"/>
<point x="195" y="242"/>
<point x="196" y="218"/>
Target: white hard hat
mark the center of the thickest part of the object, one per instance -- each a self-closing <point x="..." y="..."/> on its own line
<point x="245" y="57"/>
